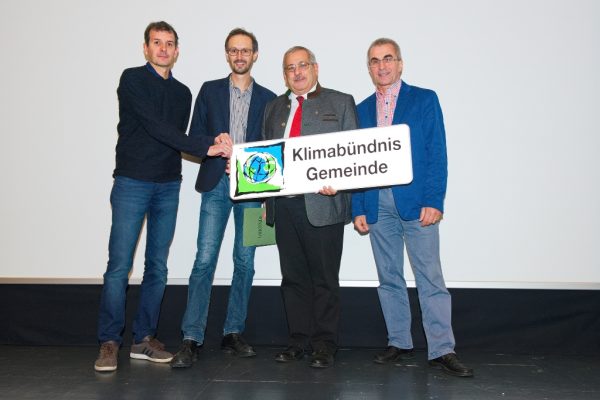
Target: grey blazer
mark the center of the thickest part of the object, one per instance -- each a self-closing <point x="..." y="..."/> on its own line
<point x="324" y="111"/>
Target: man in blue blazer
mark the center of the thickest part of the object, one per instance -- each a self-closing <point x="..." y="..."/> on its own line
<point x="408" y="214"/>
<point x="233" y="105"/>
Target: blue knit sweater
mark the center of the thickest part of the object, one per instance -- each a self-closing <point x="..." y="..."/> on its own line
<point x="153" y="117"/>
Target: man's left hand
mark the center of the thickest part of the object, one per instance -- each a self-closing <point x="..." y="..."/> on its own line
<point x="430" y="216"/>
<point x="327" y="191"/>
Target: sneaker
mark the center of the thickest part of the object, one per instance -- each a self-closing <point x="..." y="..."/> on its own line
<point x="150" y="349"/>
<point x="235" y="344"/>
<point x="187" y="354"/>
<point x="107" y="359"/>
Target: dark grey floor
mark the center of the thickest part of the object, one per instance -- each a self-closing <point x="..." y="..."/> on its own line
<point x="67" y="373"/>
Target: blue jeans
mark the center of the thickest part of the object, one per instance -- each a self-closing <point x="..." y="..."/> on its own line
<point x="131" y="201"/>
<point x="388" y="237"/>
<point x="215" y="208"/>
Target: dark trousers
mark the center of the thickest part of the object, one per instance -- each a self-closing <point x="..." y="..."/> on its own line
<point x="310" y="258"/>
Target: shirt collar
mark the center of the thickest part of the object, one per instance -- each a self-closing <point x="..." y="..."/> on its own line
<point x="392" y="90"/>
<point x="151" y="69"/>
<point x="311" y="93"/>
<point x="247" y="91"/>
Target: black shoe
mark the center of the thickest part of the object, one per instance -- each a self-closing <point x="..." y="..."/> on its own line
<point x="292" y="353"/>
<point x="235" y="344"/>
<point x="394" y="354"/>
<point x="322" y="359"/>
<point x="451" y="365"/>
<point x="187" y="355"/>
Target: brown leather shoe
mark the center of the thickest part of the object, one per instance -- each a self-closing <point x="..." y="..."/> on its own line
<point x="450" y="364"/>
<point x="235" y="344"/>
<point x="394" y="354"/>
<point x="322" y="359"/>
<point x="187" y="354"/>
<point x="292" y="353"/>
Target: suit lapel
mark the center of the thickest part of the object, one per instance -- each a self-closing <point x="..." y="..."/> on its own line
<point x="223" y="103"/>
<point x="281" y="113"/>
<point x="254" y="122"/>
<point x="402" y="103"/>
<point x="368" y="118"/>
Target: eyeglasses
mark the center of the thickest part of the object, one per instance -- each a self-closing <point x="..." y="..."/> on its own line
<point x="375" y="62"/>
<point x="234" y="52"/>
<point x="301" y="66"/>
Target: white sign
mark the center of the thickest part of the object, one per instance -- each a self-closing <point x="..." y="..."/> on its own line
<point x="354" y="159"/>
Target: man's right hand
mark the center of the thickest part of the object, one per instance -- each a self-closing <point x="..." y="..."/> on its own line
<point x="223" y="138"/>
<point x="360" y="224"/>
<point x="222" y="147"/>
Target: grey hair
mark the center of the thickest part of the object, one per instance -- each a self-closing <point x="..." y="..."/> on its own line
<point x="311" y="56"/>
<point x="384" y="41"/>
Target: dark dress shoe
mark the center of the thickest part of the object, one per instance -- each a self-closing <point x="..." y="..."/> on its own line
<point x="292" y="353"/>
<point x="235" y="344"/>
<point x="187" y="355"/>
<point x="451" y="365"/>
<point x="394" y="354"/>
<point x="322" y="359"/>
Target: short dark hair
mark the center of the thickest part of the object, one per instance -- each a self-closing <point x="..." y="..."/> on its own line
<point x="160" y="26"/>
<point x="242" y="31"/>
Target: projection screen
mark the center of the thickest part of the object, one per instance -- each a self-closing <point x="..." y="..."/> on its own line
<point x="518" y="83"/>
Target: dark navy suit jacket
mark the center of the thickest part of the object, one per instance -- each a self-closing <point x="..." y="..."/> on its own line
<point x="420" y="109"/>
<point x="211" y="117"/>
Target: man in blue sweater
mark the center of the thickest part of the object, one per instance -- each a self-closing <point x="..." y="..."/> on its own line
<point x="154" y="110"/>
<point x="234" y="104"/>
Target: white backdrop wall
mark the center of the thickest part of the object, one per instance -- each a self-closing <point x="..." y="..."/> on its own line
<point x="518" y="82"/>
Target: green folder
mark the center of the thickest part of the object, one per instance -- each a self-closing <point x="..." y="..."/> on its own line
<point x="256" y="231"/>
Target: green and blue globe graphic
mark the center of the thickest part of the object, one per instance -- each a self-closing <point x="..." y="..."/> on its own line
<point x="260" y="168"/>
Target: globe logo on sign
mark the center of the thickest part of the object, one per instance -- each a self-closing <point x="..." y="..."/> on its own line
<point x="259" y="168"/>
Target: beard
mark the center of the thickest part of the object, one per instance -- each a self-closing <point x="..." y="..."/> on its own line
<point x="242" y="68"/>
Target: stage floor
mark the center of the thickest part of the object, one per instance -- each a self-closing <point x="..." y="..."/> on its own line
<point x="67" y="373"/>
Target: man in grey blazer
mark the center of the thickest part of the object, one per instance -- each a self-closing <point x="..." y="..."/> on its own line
<point x="310" y="228"/>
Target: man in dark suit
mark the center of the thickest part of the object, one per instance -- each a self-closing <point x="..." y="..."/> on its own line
<point x="408" y="214"/>
<point x="309" y="228"/>
<point x="232" y="105"/>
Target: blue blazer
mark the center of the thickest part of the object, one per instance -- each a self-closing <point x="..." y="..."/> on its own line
<point x="211" y="117"/>
<point x="420" y="109"/>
